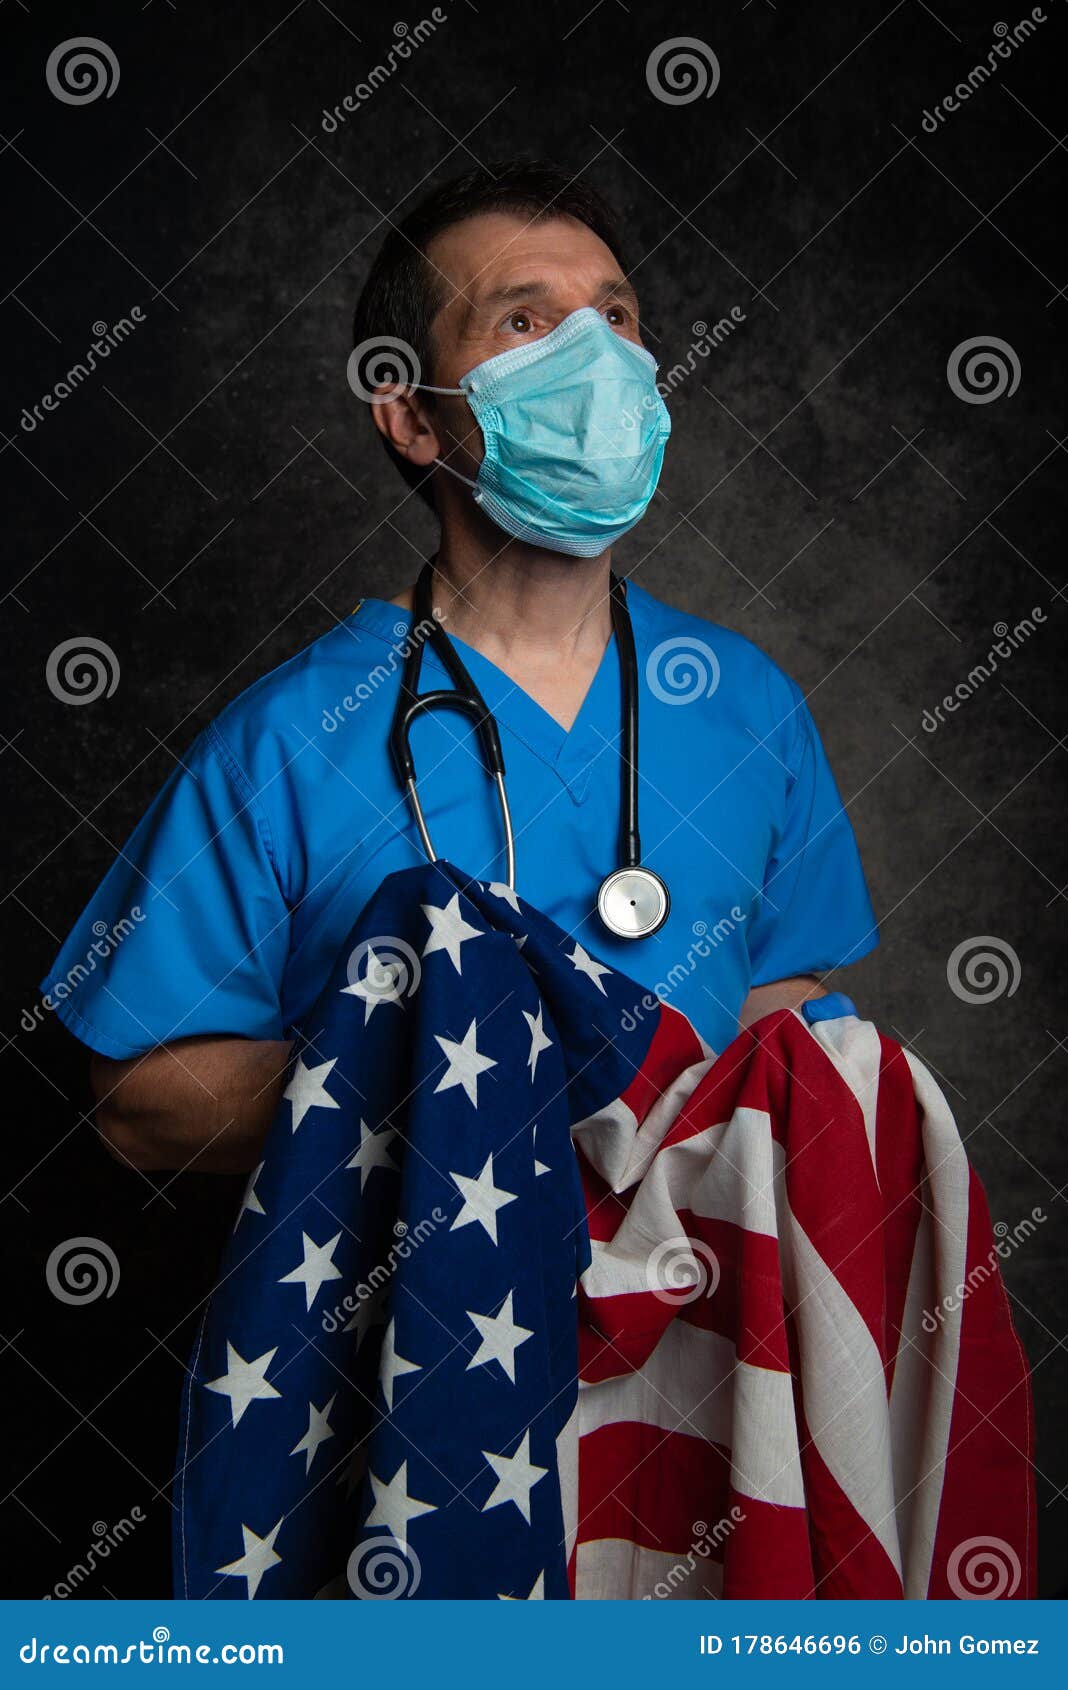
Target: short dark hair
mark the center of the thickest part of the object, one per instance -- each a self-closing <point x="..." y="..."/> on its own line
<point x="403" y="293"/>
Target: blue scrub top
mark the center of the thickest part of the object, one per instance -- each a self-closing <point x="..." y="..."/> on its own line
<point x="227" y="906"/>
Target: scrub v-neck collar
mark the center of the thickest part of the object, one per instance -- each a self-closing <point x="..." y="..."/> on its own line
<point x="570" y="752"/>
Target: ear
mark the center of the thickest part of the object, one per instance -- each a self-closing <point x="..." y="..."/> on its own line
<point x="400" y="415"/>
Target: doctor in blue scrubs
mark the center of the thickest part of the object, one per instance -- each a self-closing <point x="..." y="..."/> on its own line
<point x="536" y="431"/>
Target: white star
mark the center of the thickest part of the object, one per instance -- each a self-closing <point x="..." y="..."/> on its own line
<point x="539" y="1167"/>
<point x="585" y="964"/>
<point x="516" y="1477"/>
<point x="393" y="1507"/>
<point x="244" y="1381"/>
<point x="500" y="1336"/>
<point x="260" y="1555"/>
<point x="537" y="1593"/>
<point x="307" y="1089"/>
<point x="373" y="1152"/>
<point x="319" y="1429"/>
<point x="316" y="1268"/>
<point x="369" y="1313"/>
<point x="392" y="1366"/>
<point x="482" y="1199"/>
<point x="250" y="1201"/>
<point x="448" y="930"/>
<point x="381" y="982"/>
<point x="466" y="1063"/>
<point x="501" y="889"/>
<point x="539" y="1039"/>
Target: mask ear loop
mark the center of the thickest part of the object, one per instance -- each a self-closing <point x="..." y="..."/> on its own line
<point x="425" y="387"/>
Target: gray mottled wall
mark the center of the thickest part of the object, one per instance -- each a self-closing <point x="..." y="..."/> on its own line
<point x="211" y="500"/>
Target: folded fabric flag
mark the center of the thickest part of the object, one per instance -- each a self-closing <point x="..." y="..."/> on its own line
<point x="531" y="1296"/>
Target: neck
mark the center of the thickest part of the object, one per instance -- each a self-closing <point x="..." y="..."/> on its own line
<point x="516" y="600"/>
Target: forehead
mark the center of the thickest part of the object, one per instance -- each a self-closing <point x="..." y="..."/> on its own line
<point x="487" y="252"/>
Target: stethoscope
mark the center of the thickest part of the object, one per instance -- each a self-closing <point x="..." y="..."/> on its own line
<point x="632" y="901"/>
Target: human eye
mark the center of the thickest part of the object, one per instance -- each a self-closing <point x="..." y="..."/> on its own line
<point x="619" y="316"/>
<point x="519" y="322"/>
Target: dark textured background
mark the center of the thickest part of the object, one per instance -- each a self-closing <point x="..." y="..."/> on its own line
<point x="212" y="500"/>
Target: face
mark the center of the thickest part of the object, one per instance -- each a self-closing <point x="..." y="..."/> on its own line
<point x="505" y="281"/>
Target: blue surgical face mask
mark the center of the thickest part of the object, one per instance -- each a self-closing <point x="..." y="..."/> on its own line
<point x="574" y="430"/>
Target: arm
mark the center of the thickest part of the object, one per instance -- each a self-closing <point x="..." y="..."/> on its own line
<point x="203" y="1104"/>
<point x="779" y="994"/>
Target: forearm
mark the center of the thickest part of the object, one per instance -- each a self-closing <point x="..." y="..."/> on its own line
<point x="204" y="1103"/>
<point x="779" y="994"/>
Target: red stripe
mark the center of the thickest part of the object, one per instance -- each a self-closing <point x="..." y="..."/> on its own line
<point x="674" y="1047"/>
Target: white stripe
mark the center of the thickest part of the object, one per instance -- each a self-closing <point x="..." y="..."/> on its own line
<point x="611" y="1569"/>
<point x="567" y="1461"/>
<point x="925" y="1374"/>
<point x="853" y="1049"/>
<point x="843" y="1384"/>
<point x="693" y="1384"/>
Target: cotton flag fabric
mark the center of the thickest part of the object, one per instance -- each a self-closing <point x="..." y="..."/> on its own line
<point x="532" y="1296"/>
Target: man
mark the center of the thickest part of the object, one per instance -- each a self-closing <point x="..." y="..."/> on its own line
<point x="254" y="861"/>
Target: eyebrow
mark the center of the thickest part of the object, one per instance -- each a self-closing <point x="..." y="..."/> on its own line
<point x="515" y="292"/>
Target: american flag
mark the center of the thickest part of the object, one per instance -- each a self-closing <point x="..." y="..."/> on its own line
<point x="533" y="1296"/>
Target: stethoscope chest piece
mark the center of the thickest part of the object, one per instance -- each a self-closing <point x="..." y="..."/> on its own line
<point x="633" y="902"/>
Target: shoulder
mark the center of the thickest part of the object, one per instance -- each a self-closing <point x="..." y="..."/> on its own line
<point x="686" y="656"/>
<point x="353" y="666"/>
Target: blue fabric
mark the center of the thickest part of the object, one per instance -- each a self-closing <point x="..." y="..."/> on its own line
<point x="369" y="1174"/>
<point x="285" y="817"/>
<point x="828" y="1008"/>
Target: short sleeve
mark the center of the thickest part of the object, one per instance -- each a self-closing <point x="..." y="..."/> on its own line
<point x="188" y="932"/>
<point x="815" y="913"/>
